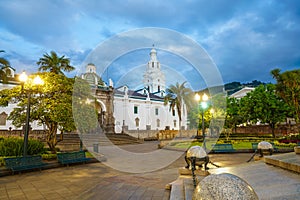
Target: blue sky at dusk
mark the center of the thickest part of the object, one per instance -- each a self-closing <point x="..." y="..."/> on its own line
<point x="245" y="39"/>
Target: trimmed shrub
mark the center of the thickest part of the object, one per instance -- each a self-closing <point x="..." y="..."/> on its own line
<point x="49" y="156"/>
<point x="14" y="147"/>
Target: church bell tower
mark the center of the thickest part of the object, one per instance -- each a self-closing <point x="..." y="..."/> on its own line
<point x="154" y="79"/>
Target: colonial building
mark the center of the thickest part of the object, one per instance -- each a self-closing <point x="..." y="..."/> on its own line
<point x="142" y="109"/>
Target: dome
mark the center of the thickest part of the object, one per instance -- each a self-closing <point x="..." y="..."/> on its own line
<point x="196" y="151"/>
<point x="264" y="145"/>
<point x="224" y="186"/>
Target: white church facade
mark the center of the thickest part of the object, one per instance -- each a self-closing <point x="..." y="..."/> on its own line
<point x="142" y="109"/>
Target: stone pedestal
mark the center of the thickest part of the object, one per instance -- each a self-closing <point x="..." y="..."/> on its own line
<point x="297" y="149"/>
<point x="199" y="172"/>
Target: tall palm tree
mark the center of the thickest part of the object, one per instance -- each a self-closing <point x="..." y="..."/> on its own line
<point x="54" y="63"/>
<point x="3" y="65"/>
<point x="177" y="95"/>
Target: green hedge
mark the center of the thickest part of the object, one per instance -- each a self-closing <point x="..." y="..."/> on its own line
<point x="14" y="147"/>
<point x="49" y="156"/>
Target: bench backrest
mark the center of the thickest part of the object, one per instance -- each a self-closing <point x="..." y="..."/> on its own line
<point x="23" y="161"/>
<point x="71" y="155"/>
<point x="222" y="146"/>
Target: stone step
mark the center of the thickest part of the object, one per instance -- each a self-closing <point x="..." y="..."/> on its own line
<point x="289" y="161"/>
<point x="177" y="190"/>
<point x="268" y="181"/>
<point x="188" y="188"/>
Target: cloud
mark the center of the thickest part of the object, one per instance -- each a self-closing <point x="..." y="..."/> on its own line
<point x="246" y="40"/>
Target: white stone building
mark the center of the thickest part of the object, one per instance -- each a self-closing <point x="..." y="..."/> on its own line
<point x="144" y="109"/>
<point x="5" y="111"/>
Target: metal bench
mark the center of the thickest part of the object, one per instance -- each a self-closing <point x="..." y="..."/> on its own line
<point x="24" y="163"/>
<point x="72" y="157"/>
<point x="222" y="148"/>
<point x="255" y="144"/>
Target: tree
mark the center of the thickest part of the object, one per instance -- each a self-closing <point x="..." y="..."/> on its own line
<point x="178" y="95"/>
<point x="288" y="88"/>
<point x="233" y="117"/>
<point x="3" y="65"/>
<point x="51" y="105"/>
<point x="54" y="63"/>
<point x="264" y="106"/>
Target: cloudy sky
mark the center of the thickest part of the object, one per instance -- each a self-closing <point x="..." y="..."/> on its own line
<point x="245" y="39"/>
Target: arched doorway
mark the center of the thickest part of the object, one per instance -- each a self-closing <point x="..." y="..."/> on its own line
<point x="104" y="107"/>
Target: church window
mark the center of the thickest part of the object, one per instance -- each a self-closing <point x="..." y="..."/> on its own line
<point x="152" y="64"/>
<point x="156" y="111"/>
<point x="158" y="88"/>
<point x="173" y="112"/>
<point x="158" y="123"/>
<point x="3" y="117"/>
<point x="137" y="122"/>
<point x="175" y="124"/>
<point x="135" y="109"/>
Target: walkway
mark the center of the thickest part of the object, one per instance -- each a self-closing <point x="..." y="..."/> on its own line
<point x="97" y="181"/>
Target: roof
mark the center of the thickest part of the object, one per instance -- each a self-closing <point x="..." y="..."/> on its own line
<point x="138" y="94"/>
<point x="241" y="93"/>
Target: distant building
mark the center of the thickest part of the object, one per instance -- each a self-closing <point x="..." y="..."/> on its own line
<point x="241" y="93"/>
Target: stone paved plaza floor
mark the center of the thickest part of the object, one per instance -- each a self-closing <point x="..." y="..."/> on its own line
<point x="97" y="181"/>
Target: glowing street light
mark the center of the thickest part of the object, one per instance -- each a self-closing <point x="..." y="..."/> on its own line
<point x="36" y="81"/>
<point x="203" y="105"/>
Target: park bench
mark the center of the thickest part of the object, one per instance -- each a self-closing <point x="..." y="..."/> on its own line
<point x="222" y="148"/>
<point x="24" y="163"/>
<point x="255" y="144"/>
<point x="72" y="157"/>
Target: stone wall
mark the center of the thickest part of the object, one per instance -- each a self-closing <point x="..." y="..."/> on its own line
<point x="280" y="130"/>
<point x="161" y="134"/>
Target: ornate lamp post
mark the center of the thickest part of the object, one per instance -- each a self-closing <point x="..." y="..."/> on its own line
<point x="203" y="105"/>
<point x="36" y="81"/>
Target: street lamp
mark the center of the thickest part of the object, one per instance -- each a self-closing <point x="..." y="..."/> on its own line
<point x="36" y="81"/>
<point x="203" y="105"/>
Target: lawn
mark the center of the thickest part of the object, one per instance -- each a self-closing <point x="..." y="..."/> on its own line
<point x="239" y="144"/>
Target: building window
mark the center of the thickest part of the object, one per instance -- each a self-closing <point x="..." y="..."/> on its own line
<point x="152" y="64"/>
<point x="175" y="124"/>
<point x="3" y="117"/>
<point x="137" y="122"/>
<point x="158" y="123"/>
<point x="158" y="88"/>
<point x="156" y="111"/>
<point x="135" y="110"/>
<point x="173" y="112"/>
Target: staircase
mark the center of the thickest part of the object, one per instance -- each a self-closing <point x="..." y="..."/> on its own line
<point x="280" y="180"/>
<point x="72" y="141"/>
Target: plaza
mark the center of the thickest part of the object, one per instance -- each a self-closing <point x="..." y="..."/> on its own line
<point x="98" y="181"/>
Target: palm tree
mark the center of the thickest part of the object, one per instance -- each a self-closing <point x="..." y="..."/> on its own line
<point x="177" y="95"/>
<point x="3" y="64"/>
<point x="54" y="63"/>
